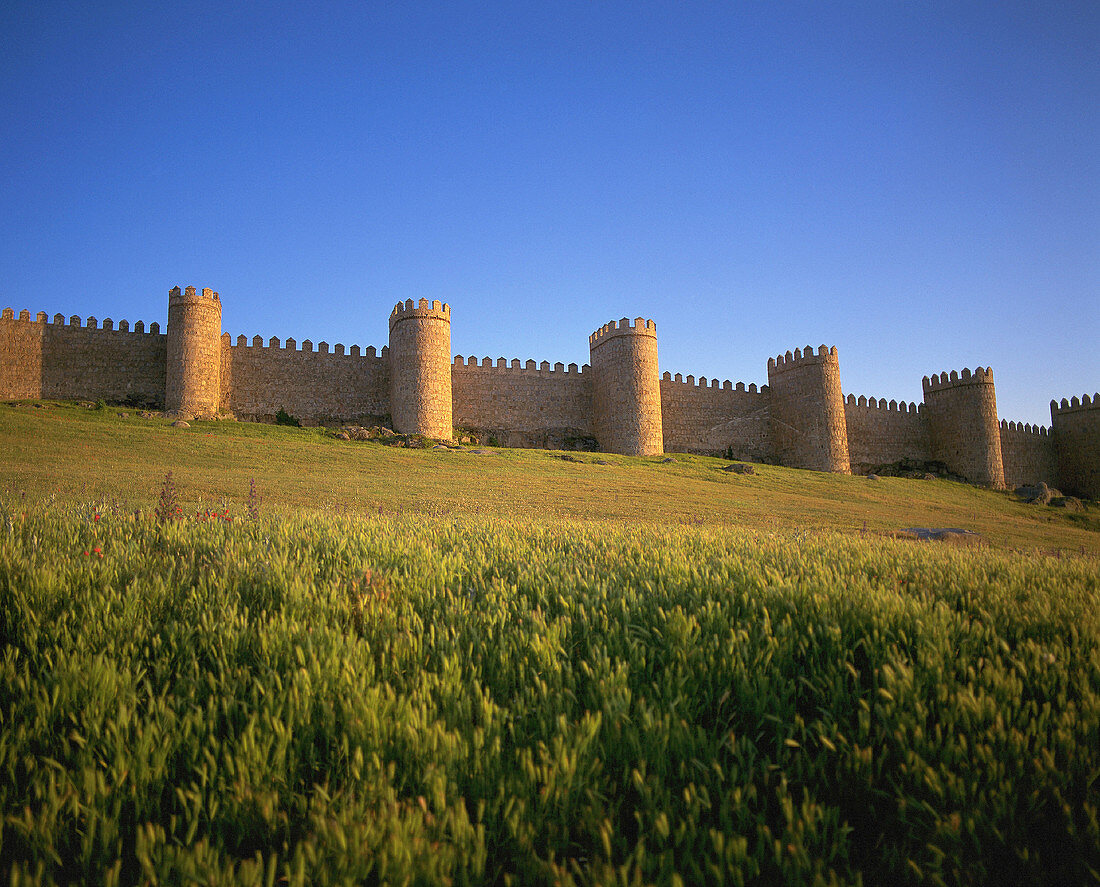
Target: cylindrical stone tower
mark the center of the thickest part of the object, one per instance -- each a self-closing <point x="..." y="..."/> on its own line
<point x="626" y="389"/>
<point x="193" y="379"/>
<point x="963" y="432"/>
<point x="806" y="410"/>
<point x="420" y="369"/>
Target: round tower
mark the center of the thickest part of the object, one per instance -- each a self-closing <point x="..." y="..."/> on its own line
<point x="963" y="432"/>
<point x="420" y="369"/>
<point x="193" y="379"/>
<point x="806" y="410"/>
<point x="1075" y="425"/>
<point x="626" y="389"/>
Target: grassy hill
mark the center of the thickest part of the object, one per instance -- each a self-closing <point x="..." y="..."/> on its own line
<point x="68" y="451"/>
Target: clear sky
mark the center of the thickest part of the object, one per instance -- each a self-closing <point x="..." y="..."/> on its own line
<point x="917" y="182"/>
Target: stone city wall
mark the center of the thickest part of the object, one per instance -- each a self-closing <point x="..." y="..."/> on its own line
<point x="313" y="385"/>
<point x="68" y="361"/>
<point x="881" y="433"/>
<point x="525" y="405"/>
<point x="620" y="403"/>
<point x="1075" y="424"/>
<point x="1027" y="453"/>
<point x="698" y="417"/>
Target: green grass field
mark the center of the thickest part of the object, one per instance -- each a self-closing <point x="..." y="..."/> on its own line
<point x="422" y="667"/>
<point x="68" y="452"/>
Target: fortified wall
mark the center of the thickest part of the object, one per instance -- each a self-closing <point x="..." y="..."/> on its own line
<point x="619" y="402"/>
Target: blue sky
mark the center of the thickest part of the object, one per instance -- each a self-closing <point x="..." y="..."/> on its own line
<point x="917" y="183"/>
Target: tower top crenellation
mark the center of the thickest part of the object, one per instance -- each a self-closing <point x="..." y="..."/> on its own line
<point x="954" y="379"/>
<point x="625" y="327"/>
<point x="423" y="308"/>
<point x="801" y="357"/>
<point x="190" y="294"/>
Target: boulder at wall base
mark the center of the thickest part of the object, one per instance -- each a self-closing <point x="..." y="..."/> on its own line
<point x="1037" y="494"/>
<point x="938" y="534"/>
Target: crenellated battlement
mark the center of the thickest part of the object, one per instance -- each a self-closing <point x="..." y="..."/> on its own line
<point x="338" y="350"/>
<point x="1024" y="428"/>
<point x="515" y="366"/>
<point x="610" y="330"/>
<point x="423" y="308"/>
<point x="1074" y="404"/>
<point x="307" y="347"/>
<point x="944" y="381"/>
<point x="880" y="404"/>
<point x="800" y="357"/>
<point x="76" y="323"/>
<point x="713" y="384"/>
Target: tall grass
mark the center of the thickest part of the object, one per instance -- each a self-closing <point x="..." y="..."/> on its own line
<point x="319" y="699"/>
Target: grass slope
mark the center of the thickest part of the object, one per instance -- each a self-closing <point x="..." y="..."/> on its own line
<point x="67" y="451"/>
